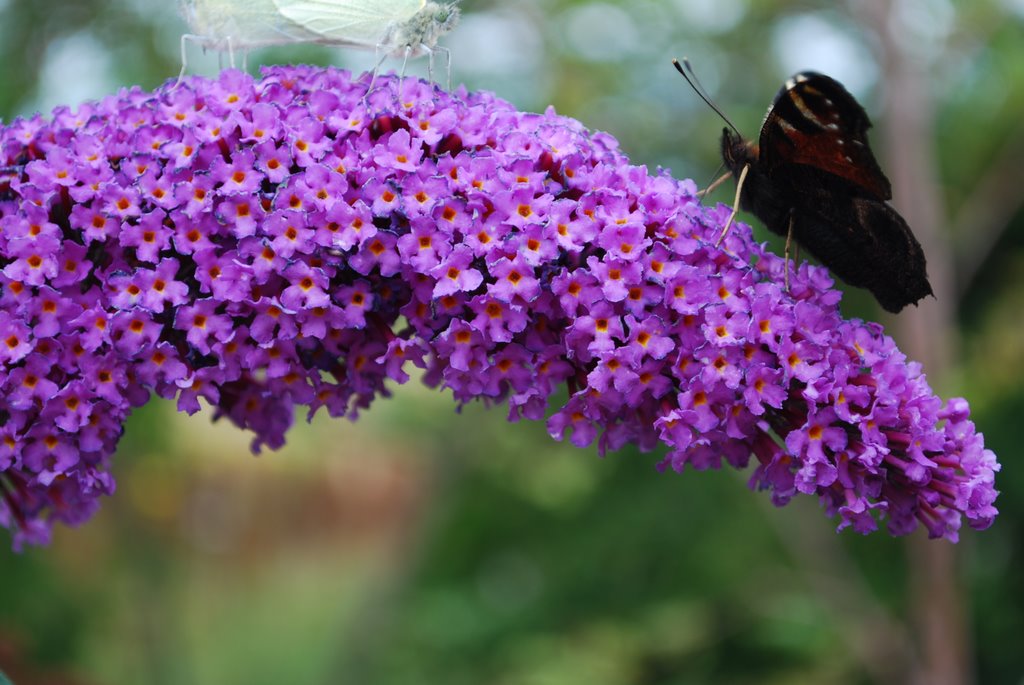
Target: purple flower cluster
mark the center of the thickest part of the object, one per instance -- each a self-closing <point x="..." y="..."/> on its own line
<point x="297" y="241"/>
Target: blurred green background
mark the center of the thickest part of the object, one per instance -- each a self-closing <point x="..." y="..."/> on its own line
<point x="422" y="545"/>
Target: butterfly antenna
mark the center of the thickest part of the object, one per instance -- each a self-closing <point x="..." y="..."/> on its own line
<point x="699" y="90"/>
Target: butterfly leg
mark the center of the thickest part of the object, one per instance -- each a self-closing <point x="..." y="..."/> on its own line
<point x="448" y="65"/>
<point x="185" y="38"/>
<point x="376" y="69"/>
<point x="700" y="193"/>
<point x="430" y="63"/>
<point x="735" y="203"/>
<point x="405" y="59"/>
<point x="785" y="254"/>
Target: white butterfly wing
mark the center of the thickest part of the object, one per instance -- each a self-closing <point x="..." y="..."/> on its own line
<point x="241" y="24"/>
<point x="366" y="23"/>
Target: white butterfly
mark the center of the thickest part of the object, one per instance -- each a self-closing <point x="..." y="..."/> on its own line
<point x="229" y="25"/>
<point x="393" y="25"/>
<point x="400" y="27"/>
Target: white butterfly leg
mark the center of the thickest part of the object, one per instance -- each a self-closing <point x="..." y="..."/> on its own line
<point x="430" y="63"/>
<point x="186" y="38"/>
<point x="376" y="68"/>
<point x="448" y="64"/>
<point x="405" y="59"/>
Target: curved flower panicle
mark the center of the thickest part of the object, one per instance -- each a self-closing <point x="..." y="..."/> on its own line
<point x="296" y="241"/>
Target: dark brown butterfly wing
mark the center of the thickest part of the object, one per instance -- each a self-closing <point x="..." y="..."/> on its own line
<point x="862" y="241"/>
<point x="815" y="122"/>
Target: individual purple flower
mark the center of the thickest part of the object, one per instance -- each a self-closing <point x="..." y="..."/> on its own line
<point x="160" y="288"/>
<point x="307" y="288"/>
<point x="455" y="273"/>
<point x="322" y="186"/>
<point x="275" y="162"/>
<point x="270" y="320"/>
<point x="202" y="324"/>
<point x="514" y="279"/>
<point x="346" y="226"/>
<point x="296" y="240"/>
<point x="308" y="142"/>
<point x="149" y="236"/>
<point x="262" y="123"/>
<point x="238" y="176"/>
<point x="498" y="320"/>
<point x="120" y="202"/>
<point x="288" y="232"/>
<point x="423" y="193"/>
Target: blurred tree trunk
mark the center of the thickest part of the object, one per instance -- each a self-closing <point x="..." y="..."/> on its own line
<point x="927" y="333"/>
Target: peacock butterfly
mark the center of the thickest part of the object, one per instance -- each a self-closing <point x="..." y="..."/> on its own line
<point x="812" y="178"/>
